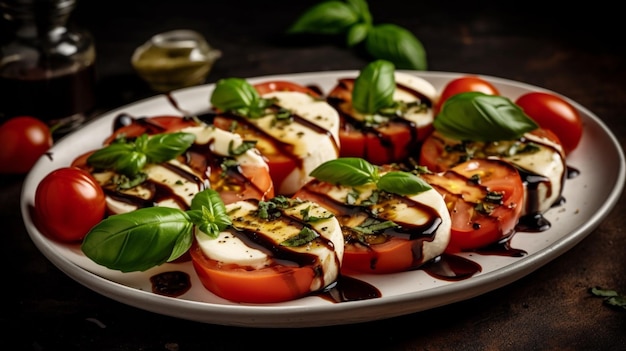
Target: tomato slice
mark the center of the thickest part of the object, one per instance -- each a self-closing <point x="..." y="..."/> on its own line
<point x="383" y="253"/>
<point x="388" y="142"/>
<point x="439" y="153"/>
<point x="485" y="199"/>
<point x="233" y="282"/>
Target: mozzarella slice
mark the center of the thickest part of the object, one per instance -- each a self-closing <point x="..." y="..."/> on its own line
<point x="401" y="212"/>
<point x="312" y="145"/>
<point x="546" y="171"/>
<point x="233" y="247"/>
<point x="420" y="117"/>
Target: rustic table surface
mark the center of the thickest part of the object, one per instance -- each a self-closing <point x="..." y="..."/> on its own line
<point x="578" y="52"/>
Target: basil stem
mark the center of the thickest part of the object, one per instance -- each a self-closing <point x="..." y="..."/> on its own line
<point x="374" y="87"/>
<point x="151" y="236"/>
<point x="475" y="116"/>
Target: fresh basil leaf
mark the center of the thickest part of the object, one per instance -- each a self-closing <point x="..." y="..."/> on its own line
<point x="374" y="87"/>
<point x="234" y="93"/>
<point x="138" y="240"/>
<point x="361" y="8"/>
<point x="327" y="18"/>
<point x="130" y="157"/>
<point x="107" y="157"/>
<point x="131" y="163"/>
<point x="349" y="171"/>
<point x="356" y="34"/>
<point x="208" y="212"/>
<point x="164" y="147"/>
<point x="402" y="183"/>
<point x="396" y="44"/>
<point x="242" y="148"/>
<point x="372" y="226"/>
<point x="305" y="236"/>
<point x="477" y="116"/>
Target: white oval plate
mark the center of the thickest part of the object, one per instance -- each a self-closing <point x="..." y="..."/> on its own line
<point x="589" y="199"/>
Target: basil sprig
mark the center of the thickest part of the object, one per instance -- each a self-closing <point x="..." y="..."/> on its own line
<point x="374" y="87"/>
<point x="151" y="236"/>
<point x="354" y="171"/>
<point x="477" y="116"/>
<point x="353" y="19"/>
<point x="238" y="96"/>
<point x="130" y="157"/>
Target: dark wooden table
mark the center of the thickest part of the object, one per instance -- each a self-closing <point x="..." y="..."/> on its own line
<point x="578" y="52"/>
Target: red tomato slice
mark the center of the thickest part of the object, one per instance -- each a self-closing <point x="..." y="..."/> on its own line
<point x="389" y="254"/>
<point x="477" y="222"/>
<point x="68" y="203"/>
<point x="462" y="85"/>
<point x="438" y="156"/>
<point x="232" y="282"/>
<point x="390" y="142"/>
<point x="556" y="114"/>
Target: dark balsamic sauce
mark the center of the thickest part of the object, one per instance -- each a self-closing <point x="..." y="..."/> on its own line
<point x="347" y="288"/>
<point x="451" y="268"/>
<point x="173" y="283"/>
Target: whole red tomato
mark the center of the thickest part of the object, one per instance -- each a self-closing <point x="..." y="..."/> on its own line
<point x="24" y="140"/>
<point x="556" y="114"/>
<point x="68" y="203"/>
<point x="465" y="84"/>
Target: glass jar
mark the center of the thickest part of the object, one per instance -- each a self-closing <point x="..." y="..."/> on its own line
<point x="47" y="69"/>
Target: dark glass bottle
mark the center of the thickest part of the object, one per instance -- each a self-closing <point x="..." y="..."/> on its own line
<point x="47" y="68"/>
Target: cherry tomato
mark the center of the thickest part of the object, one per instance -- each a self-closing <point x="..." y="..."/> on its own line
<point x="476" y="221"/>
<point x="389" y="142"/>
<point x="24" y="140"/>
<point x="68" y="203"/>
<point x="233" y="282"/>
<point x="554" y="113"/>
<point x="465" y="84"/>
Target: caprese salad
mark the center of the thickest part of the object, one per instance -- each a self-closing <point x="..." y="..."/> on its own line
<point x="280" y="190"/>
